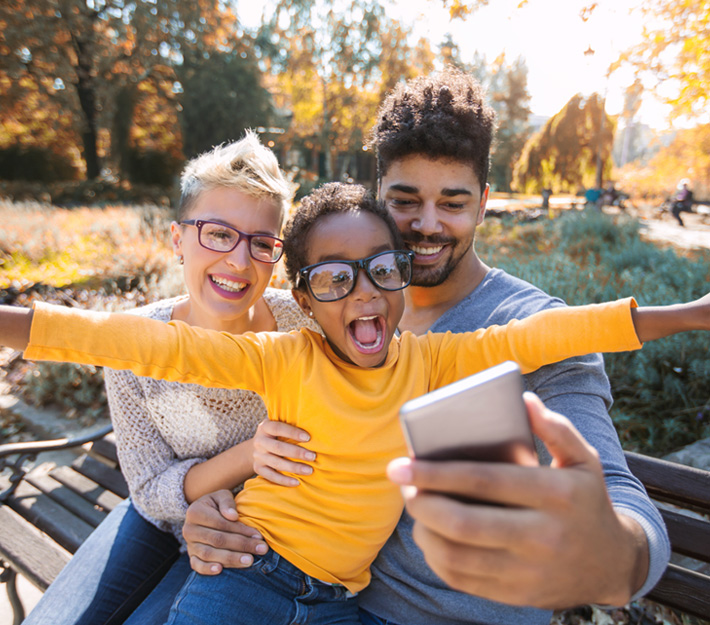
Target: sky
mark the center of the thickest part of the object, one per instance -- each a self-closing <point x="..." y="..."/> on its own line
<point x="549" y="34"/>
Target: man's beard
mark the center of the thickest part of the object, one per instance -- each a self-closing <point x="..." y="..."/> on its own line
<point x="434" y="276"/>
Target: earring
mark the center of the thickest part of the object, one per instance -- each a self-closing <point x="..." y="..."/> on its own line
<point x="310" y="313"/>
<point x="181" y="260"/>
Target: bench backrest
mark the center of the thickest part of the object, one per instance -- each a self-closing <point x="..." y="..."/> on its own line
<point x="682" y="495"/>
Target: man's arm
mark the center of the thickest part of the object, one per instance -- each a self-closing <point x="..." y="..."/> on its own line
<point x="559" y="543"/>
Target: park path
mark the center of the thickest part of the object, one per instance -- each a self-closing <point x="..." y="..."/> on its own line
<point x="695" y="235"/>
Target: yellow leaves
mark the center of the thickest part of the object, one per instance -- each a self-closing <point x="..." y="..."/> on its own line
<point x="688" y="156"/>
<point x="676" y="38"/>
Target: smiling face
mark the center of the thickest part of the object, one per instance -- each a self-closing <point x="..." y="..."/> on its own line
<point x="224" y="287"/>
<point x="359" y="327"/>
<point x="437" y="204"/>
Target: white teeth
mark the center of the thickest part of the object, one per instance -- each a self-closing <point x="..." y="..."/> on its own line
<point x="426" y="251"/>
<point x="228" y="285"/>
<point x="366" y="318"/>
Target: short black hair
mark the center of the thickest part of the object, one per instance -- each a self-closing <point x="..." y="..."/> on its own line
<point x="331" y="198"/>
<point x="442" y="115"/>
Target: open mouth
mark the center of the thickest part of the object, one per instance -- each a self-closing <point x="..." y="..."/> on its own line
<point x="228" y="285"/>
<point x="368" y="333"/>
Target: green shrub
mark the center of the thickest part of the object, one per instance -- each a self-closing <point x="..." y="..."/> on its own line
<point x="661" y="393"/>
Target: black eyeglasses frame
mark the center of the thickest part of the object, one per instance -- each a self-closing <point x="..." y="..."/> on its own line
<point x="362" y="263"/>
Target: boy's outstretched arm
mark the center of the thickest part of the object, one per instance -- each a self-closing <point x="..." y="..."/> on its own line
<point x="656" y="322"/>
<point x="15" y="324"/>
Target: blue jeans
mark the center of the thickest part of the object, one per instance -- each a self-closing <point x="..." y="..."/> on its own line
<point x="368" y="618"/>
<point x="115" y="568"/>
<point x="271" y="591"/>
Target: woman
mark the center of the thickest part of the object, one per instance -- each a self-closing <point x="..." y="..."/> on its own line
<point x="171" y="437"/>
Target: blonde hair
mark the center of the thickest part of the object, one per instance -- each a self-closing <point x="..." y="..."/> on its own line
<point x="245" y="165"/>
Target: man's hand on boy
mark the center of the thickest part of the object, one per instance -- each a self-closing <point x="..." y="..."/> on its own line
<point x="559" y="542"/>
<point x="215" y="537"/>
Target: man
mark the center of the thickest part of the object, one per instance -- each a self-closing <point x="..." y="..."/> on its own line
<point x="683" y="200"/>
<point x="561" y="541"/>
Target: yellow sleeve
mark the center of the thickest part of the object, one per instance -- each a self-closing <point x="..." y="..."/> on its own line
<point x="171" y="351"/>
<point x="544" y="338"/>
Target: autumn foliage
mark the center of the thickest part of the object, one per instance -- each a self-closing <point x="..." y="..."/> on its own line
<point x="563" y="155"/>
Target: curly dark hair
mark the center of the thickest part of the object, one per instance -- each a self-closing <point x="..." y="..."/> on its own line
<point x="443" y="115"/>
<point x="333" y="197"/>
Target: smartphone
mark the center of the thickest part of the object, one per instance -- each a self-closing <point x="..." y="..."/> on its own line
<point x="481" y="417"/>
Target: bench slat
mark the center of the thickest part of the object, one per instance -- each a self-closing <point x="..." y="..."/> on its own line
<point x="32" y="553"/>
<point x="104" y="475"/>
<point x="106" y="448"/>
<point x="66" y="498"/>
<point x="683" y="590"/>
<point x="87" y="488"/>
<point x="671" y="482"/>
<point x="50" y="517"/>
<point x="689" y="536"/>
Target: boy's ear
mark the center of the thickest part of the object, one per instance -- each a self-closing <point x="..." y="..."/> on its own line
<point x="176" y="238"/>
<point x="303" y="300"/>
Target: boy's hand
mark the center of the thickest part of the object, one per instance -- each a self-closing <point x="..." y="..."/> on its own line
<point x="216" y="539"/>
<point x="274" y="456"/>
<point x="702" y="308"/>
<point x="15" y="324"/>
<point x="560" y="543"/>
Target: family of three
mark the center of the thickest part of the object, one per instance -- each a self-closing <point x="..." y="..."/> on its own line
<point x="580" y="530"/>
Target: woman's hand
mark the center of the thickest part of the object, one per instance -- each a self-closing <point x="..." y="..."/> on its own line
<point x="275" y="453"/>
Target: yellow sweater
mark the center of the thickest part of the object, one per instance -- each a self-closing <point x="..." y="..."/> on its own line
<point x="335" y="522"/>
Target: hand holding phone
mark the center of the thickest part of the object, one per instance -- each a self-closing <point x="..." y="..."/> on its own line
<point x="482" y="417"/>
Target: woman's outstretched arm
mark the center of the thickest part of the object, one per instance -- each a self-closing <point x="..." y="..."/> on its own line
<point x="15" y="324"/>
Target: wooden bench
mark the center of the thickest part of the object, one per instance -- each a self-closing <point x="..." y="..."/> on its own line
<point x="682" y="494"/>
<point x="46" y="513"/>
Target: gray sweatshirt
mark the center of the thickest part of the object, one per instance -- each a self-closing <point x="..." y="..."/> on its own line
<point x="404" y="589"/>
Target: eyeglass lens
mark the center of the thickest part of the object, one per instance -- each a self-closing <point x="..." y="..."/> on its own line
<point x="219" y="238"/>
<point x="331" y="281"/>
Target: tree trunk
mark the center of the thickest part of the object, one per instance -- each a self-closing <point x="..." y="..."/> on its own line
<point x="121" y="129"/>
<point x="86" y="90"/>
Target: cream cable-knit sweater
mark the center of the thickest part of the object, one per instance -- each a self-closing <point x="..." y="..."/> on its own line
<point x="164" y="428"/>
